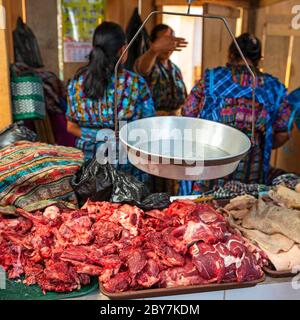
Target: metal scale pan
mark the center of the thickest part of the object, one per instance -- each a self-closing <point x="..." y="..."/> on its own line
<point x="211" y="149"/>
<point x="196" y="149"/>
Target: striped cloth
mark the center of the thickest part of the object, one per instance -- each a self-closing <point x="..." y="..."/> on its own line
<point x="290" y="180"/>
<point x="233" y="189"/>
<point x="36" y="175"/>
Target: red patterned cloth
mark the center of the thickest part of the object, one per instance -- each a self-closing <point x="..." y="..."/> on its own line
<point x="36" y="175"/>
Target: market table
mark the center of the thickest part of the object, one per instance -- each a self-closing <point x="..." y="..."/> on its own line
<point x="270" y="289"/>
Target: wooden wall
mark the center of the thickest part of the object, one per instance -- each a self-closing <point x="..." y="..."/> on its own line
<point x="281" y="58"/>
<point x="215" y="53"/>
<point x="42" y="19"/>
<point x="119" y="11"/>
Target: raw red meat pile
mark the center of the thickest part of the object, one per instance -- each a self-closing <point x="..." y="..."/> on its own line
<point x="185" y="244"/>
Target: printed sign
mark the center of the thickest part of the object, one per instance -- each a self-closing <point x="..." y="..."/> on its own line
<point x="79" y="20"/>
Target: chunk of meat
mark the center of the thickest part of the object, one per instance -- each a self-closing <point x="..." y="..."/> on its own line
<point x="60" y="271"/>
<point x="89" y="269"/>
<point x="181" y="276"/>
<point x="135" y="259"/>
<point x="247" y="266"/>
<point x="199" y="231"/>
<point x="19" y="225"/>
<point x="180" y="209"/>
<point x="157" y="214"/>
<point x="174" y="238"/>
<point x="167" y="255"/>
<point x="106" y="232"/>
<point x="149" y="275"/>
<point x="119" y="283"/>
<point x="129" y="217"/>
<point x="208" y="262"/>
<point x="77" y="230"/>
<point x="32" y="272"/>
<point x="102" y="210"/>
<point x="185" y="244"/>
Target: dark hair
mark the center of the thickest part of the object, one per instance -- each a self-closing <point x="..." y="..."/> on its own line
<point x="108" y="39"/>
<point x="158" y="28"/>
<point x="250" y="46"/>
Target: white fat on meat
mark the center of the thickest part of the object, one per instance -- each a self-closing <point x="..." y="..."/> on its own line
<point x="229" y="259"/>
<point x="51" y="213"/>
<point x="192" y="230"/>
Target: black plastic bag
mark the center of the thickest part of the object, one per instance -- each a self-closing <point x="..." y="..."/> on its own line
<point x="26" y="48"/>
<point x="140" y="45"/>
<point x="99" y="182"/>
<point x="16" y="133"/>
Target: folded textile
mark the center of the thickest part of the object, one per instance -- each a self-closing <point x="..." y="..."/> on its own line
<point x="34" y="175"/>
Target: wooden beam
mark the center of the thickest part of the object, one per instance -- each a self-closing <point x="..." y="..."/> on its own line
<point x="265" y="3"/>
<point x="229" y="3"/>
<point x="5" y="100"/>
<point x="228" y="12"/>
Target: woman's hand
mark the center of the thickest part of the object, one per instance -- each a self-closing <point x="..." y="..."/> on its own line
<point x="74" y="129"/>
<point x="168" y="43"/>
<point x="163" y="45"/>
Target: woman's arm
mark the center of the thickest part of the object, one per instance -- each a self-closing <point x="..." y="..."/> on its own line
<point x="74" y="129"/>
<point x="145" y="63"/>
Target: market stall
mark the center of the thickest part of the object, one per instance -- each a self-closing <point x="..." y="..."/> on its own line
<point x="71" y="229"/>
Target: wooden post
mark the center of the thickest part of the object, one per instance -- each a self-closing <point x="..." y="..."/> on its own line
<point x="5" y="100"/>
<point x="10" y="11"/>
<point x="14" y="10"/>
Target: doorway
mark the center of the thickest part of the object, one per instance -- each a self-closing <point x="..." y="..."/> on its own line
<point x="189" y="59"/>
